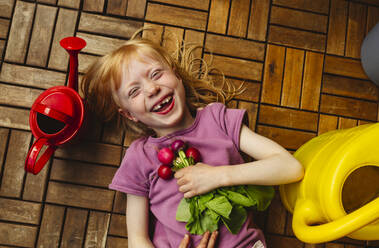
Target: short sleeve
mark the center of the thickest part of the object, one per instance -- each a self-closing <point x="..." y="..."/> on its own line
<point x="132" y="177"/>
<point x="230" y="120"/>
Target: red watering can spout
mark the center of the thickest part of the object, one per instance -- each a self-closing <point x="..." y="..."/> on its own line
<point x="73" y="45"/>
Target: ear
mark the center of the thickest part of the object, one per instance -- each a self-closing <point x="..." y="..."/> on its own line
<point x="127" y="114"/>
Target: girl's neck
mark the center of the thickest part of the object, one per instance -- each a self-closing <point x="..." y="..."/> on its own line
<point x="185" y="122"/>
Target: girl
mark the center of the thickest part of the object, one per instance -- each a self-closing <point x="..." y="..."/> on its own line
<point x="162" y="97"/>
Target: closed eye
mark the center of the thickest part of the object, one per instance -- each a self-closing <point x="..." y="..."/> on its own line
<point x="133" y="92"/>
<point x="156" y="74"/>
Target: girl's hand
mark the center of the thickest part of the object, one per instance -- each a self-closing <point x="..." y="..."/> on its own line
<point x="208" y="240"/>
<point x="198" y="179"/>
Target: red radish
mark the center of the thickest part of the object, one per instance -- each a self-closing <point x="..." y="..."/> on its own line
<point x="165" y="155"/>
<point x="177" y="145"/>
<point x="194" y="153"/>
<point x="164" y="172"/>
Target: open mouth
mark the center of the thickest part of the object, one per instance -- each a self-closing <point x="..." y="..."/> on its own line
<point x="164" y="106"/>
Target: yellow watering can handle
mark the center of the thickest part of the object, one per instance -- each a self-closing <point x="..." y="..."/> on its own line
<point x="306" y="215"/>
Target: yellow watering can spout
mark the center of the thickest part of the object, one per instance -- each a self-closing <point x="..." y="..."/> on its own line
<point x="338" y="195"/>
<point x="306" y="216"/>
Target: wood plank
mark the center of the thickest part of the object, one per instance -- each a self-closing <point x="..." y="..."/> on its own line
<point x="258" y="19"/>
<point x="35" y="185"/>
<point x="51" y="226"/>
<point x="236" y="67"/>
<point x="13" y="174"/>
<point x="20" y="32"/>
<point x="355" y="29"/>
<point x="14" y="118"/>
<point x="153" y="32"/>
<point x="239" y="18"/>
<point x="69" y="3"/>
<point x="2" y="45"/>
<point x="93" y="5"/>
<point x="105" y="25"/>
<point x="251" y="110"/>
<point x="172" y="38"/>
<point x="64" y="27"/>
<point x="17" y="235"/>
<point x="97" y="229"/>
<point x="195" y="38"/>
<point x="297" y="38"/>
<point x="28" y="76"/>
<point x="20" y="211"/>
<point x="119" y="205"/>
<point x="116" y="242"/>
<point x="100" y="45"/>
<point x="293" y="75"/>
<point x="4" y="26"/>
<point x="41" y="35"/>
<point x="6" y="7"/>
<point x="348" y="107"/>
<point x="79" y="196"/>
<point x="298" y="19"/>
<point x="118" y="225"/>
<point x="81" y="173"/>
<point x="251" y="92"/>
<point x="194" y="4"/>
<point x="91" y="152"/>
<point x="218" y="16"/>
<point x="372" y="18"/>
<point x="337" y="27"/>
<point x="136" y="8"/>
<point x="289" y="139"/>
<point x="310" y="94"/>
<point x="285" y="242"/>
<point x="117" y="7"/>
<point x="288" y="118"/>
<point x="273" y="74"/>
<point x="350" y="87"/>
<point x="344" y="67"/>
<point x="74" y="228"/>
<point x="112" y="133"/>
<point x="276" y="217"/>
<point x="321" y="6"/>
<point x="176" y="16"/>
<point x="4" y="132"/>
<point x="234" y="47"/>
<point x="18" y="96"/>
<point x="345" y="123"/>
<point x="327" y="123"/>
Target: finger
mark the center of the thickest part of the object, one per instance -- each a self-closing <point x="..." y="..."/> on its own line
<point x="204" y="241"/>
<point x="184" y="188"/>
<point x="185" y="241"/>
<point x="189" y="194"/>
<point x="212" y="239"/>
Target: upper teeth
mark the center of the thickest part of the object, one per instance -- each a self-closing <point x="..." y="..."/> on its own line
<point x="160" y="105"/>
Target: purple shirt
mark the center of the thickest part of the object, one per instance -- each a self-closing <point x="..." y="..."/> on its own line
<point x="215" y="133"/>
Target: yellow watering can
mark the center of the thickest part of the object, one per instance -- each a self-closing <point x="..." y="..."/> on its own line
<point x="339" y="194"/>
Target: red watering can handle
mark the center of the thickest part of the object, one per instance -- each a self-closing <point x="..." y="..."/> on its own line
<point x="32" y="164"/>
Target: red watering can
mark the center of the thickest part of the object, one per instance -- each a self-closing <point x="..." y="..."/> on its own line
<point x="57" y="114"/>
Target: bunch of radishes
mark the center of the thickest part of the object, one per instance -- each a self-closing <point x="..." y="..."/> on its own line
<point x="175" y="157"/>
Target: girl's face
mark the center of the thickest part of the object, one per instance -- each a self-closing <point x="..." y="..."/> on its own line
<point x="152" y="93"/>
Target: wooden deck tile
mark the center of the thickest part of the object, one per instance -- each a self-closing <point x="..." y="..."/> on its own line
<point x="17" y="235"/>
<point x="6" y="7"/>
<point x="321" y="6"/>
<point x="19" y="211"/>
<point x="355" y="29"/>
<point x="96" y="233"/>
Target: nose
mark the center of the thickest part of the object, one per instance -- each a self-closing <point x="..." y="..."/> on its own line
<point x="151" y="88"/>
